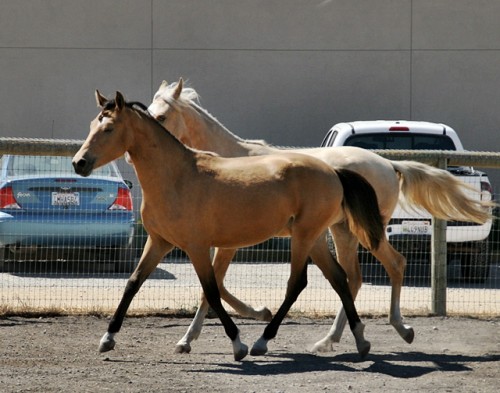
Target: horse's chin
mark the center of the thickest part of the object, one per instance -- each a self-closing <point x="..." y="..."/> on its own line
<point x="84" y="172"/>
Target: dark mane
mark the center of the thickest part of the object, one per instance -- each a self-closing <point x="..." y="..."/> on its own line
<point x="138" y="104"/>
<point x="143" y="110"/>
<point x="132" y="105"/>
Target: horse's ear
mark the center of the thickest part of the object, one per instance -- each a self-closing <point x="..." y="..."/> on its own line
<point x="163" y="85"/>
<point x="178" y="89"/>
<point x="119" y="101"/>
<point x="100" y="99"/>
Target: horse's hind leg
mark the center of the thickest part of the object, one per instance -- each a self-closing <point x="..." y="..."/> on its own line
<point x="222" y="259"/>
<point x="337" y="277"/>
<point x="296" y="283"/>
<point x="151" y="256"/>
<point x="346" y="246"/>
<point x="395" y="263"/>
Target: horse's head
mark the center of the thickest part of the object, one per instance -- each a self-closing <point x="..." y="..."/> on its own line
<point x="170" y="106"/>
<point x="108" y="137"/>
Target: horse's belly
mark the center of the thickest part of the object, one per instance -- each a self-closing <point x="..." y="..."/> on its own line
<point x="248" y="233"/>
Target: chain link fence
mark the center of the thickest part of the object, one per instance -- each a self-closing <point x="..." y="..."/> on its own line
<point x="68" y="278"/>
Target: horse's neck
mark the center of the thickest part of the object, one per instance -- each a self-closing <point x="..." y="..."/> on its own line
<point x="206" y="133"/>
<point x="157" y="156"/>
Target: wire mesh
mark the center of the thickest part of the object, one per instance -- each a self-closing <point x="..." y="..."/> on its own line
<point x="79" y="279"/>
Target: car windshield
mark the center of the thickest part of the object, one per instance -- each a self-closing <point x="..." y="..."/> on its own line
<point x="50" y="166"/>
<point x="401" y="141"/>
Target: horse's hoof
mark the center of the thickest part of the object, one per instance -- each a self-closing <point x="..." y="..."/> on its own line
<point x="364" y="349"/>
<point x="324" y="345"/>
<point x="241" y="353"/>
<point x="259" y="348"/>
<point x="405" y="331"/>
<point x="265" y="314"/>
<point x="362" y="344"/>
<point x="106" y="345"/>
<point x="258" y="351"/>
<point x="182" y="348"/>
<point x="409" y="335"/>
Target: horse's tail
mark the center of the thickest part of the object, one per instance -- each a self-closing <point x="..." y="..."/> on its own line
<point x="361" y="208"/>
<point x="440" y="193"/>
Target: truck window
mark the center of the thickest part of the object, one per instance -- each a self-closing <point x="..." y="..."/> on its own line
<point x="401" y="141"/>
<point x="329" y="138"/>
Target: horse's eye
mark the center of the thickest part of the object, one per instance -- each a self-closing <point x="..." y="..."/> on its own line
<point x="161" y="118"/>
<point x="108" y="129"/>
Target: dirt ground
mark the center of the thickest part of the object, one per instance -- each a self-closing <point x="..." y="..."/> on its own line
<point x="59" y="354"/>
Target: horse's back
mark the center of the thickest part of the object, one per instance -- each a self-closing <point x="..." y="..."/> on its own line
<point x="274" y="168"/>
<point x="293" y="178"/>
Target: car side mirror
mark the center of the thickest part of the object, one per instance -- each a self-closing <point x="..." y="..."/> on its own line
<point x="129" y="184"/>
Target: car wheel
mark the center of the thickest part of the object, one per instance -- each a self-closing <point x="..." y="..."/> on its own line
<point x="476" y="265"/>
<point x="124" y="260"/>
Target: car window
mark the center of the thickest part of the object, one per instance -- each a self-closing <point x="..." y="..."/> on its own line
<point x="49" y="165"/>
<point x="401" y="141"/>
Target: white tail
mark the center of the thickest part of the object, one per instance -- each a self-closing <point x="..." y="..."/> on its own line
<point x="440" y="193"/>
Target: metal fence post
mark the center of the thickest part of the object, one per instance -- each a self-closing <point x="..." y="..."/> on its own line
<point x="438" y="260"/>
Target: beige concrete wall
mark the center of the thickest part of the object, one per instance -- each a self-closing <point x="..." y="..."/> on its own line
<point x="284" y="71"/>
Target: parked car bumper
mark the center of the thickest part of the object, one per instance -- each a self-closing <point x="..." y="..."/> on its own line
<point x="4" y="220"/>
<point x="115" y="232"/>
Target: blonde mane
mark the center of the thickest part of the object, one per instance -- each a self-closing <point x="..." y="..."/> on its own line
<point x="190" y="98"/>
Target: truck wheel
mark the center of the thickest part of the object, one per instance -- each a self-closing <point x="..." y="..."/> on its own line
<point x="124" y="260"/>
<point x="476" y="265"/>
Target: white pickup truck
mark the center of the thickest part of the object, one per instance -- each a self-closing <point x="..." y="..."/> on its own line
<point x="411" y="230"/>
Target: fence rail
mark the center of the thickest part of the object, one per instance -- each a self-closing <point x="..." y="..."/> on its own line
<point x="39" y="147"/>
<point x="258" y="278"/>
<point x="68" y="147"/>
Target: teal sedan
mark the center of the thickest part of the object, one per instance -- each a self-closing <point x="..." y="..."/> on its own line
<point x="48" y="212"/>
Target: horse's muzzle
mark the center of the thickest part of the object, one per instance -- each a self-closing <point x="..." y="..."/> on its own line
<point x="83" y="167"/>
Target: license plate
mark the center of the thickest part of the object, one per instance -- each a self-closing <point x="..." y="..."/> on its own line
<point x="416" y="227"/>
<point x="65" y="199"/>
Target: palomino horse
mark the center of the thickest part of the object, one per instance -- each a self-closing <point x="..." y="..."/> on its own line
<point x="284" y="194"/>
<point x="421" y="185"/>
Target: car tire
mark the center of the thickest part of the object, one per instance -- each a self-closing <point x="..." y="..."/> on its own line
<point x="124" y="260"/>
<point x="476" y="265"/>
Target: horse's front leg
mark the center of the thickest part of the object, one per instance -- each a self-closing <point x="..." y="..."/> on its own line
<point x="337" y="277"/>
<point x="222" y="259"/>
<point x="194" y="329"/>
<point x="154" y="250"/>
<point x="204" y="269"/>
